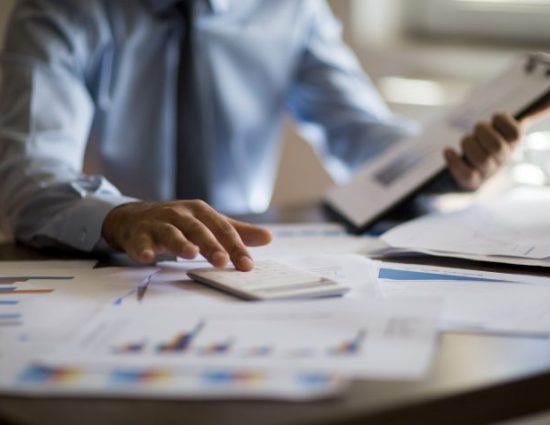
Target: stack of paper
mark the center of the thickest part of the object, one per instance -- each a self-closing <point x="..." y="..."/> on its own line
<point x="309" y="345"/>
<point x="512" y="231"/>
<point x="68" y="329"/>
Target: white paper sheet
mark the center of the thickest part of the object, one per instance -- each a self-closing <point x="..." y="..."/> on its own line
<point x="475" y="301"/>
<point x="45" y="321"/>
<point x="302" y="246"/>
<point x="48" y="304"/>
<point x="354" y="339"/>
<point x="499" y="259"/>
<point x="315" y="346"/>
<point x="306" y="230"/>
<point x="510" y="228"/>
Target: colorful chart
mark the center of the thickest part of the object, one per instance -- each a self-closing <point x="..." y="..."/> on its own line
<point x="181" y="341"/>
<point x="13" y="287"/>
<point x="138" y="376"/>
<point x="350" y="347"/>
<point x="43" y="374"/>
<point x="14" y="290"/>
<point x="16" y="284"/>
<point x="198" y="342"/>
<point x="132" y="347"/>
<point x="228" y="376"/>
<point x="177" y="381"/>
<point x="217" y="348"/>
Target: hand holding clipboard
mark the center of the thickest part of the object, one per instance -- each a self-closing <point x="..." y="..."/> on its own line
<point x="522" y="91"/>
<point x="491" y="144"/>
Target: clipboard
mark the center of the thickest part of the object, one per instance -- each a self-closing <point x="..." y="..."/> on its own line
<point x="403" y="170"/>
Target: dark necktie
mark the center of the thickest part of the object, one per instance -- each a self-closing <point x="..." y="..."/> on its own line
<point x="191" y="161"/>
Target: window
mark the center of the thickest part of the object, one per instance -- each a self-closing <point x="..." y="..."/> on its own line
<point x="506" y="20"/>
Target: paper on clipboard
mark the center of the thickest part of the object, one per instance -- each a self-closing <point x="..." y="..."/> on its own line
<point x="403" y="169"/>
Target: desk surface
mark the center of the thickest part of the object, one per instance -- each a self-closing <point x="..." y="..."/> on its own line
<point x="475" y="379"/>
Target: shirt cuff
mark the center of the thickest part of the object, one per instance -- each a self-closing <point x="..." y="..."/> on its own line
<point x="82" y="223"/>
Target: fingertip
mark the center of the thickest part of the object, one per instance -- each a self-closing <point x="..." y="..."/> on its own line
<point x="257" y="236"/>
<point x="252" y="234"/>
<point x="189" y="252"/>
<point x="267" y="236"/>
<point x="245" y="264"/>
<point x="147" y="256"/>
<point x="219" y="259"/>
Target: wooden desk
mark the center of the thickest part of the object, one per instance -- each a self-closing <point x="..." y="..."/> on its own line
<point x="475" y="379"/>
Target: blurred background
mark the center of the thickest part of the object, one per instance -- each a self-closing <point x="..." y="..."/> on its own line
<point x="424" y="55"/>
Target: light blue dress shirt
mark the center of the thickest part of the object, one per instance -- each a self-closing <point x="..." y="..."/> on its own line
<point x="88" y="106"/>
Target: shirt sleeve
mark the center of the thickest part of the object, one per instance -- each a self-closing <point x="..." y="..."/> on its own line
<point x="335" y="102"/>
<point x="46" y="113"/>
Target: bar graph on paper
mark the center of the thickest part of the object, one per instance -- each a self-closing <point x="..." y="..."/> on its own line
<point x="30" y="285"/>
<point x="224" y="340"/>
<point x="16" y="289"/>
<point x="179" y="381"/>
<point x="319" y="336"/>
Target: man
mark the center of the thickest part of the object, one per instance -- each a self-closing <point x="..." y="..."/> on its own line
<point x="175" y="99"/>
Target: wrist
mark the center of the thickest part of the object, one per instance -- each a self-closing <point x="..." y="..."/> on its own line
<point x="115" y="225"/>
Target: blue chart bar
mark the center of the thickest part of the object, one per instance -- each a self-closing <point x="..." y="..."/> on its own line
<point x="10" y="316"/>
<point x="9" y="302"/>
<point x="396" y="274"/>
<point x="25" y="278"/>
<point x="10" y="319"/>
<point x="7" y="288"/>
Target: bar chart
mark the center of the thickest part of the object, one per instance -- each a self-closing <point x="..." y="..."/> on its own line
<point x="223" y="340"/>
<point x="16" y="289"/>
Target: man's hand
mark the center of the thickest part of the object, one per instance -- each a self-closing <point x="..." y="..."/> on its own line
<point x="488" y="148"/>
<point x="183" y="228"/>
<point x="484" y="151"/>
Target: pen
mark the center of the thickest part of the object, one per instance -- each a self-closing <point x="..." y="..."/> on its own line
<point x="536" y="105"/>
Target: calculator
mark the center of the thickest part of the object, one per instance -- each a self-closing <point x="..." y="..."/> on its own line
<point x="268" y="280"/>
